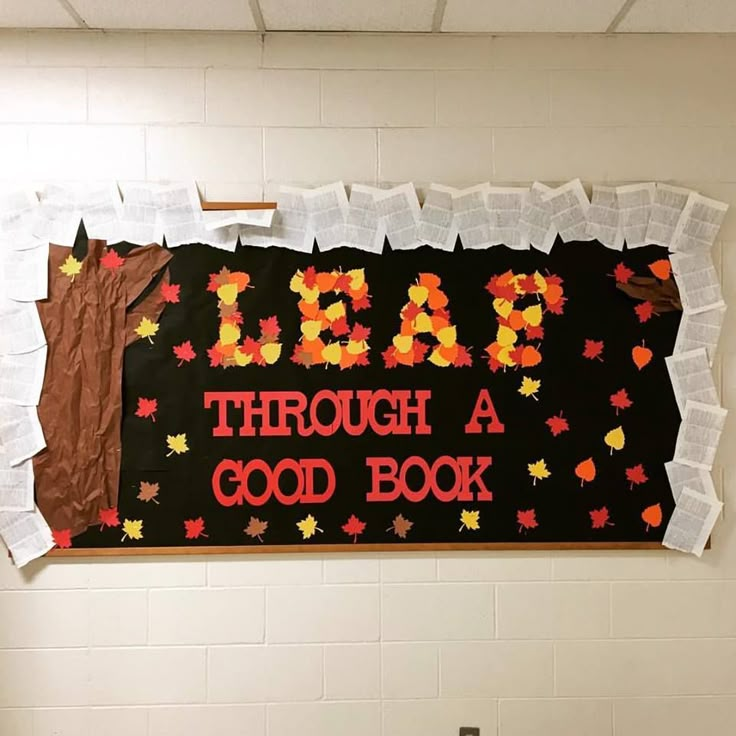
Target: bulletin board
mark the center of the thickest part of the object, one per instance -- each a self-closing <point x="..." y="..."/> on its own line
<point x="423" y="399"/>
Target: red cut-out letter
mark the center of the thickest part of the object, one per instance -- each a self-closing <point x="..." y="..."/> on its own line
<point x="484" y="409"/>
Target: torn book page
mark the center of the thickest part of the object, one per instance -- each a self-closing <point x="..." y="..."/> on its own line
<point x="697" y="281"/>
<point x="398" y="210"/>
<point x="504" y="205"/>
<point x="215" y="219"/>
<point x="691" y="378"/>
<point x="535" y="222"/>
<point x="667" y="206"/>
<point x="139" y="223"/>
<point x="364" y="229"/>
<point x="635" y="206"/>
<point x="604" y="220"/>
<point x="16" y="485"/>
<point x="436" y="220"/>
<point x="26" y="535"/>
<point x="701" y="330"/>
<point x="20" y="432"/>
<point x="21" y="327"/>
<point x="180" y="215"/>
<point x="699" y="435"/>
<point x="291" y="225"/>
<point x="327" y="207"/>
<point x="699" y="223"/>
<point x="472" y="217"/>
<point x="569" y="204"/>
<point x="697" y="479"/>
<point x="692" y="522"/>
<point x="26" y="274"/>
<point x="19" y="211"/>
<point x="59" y="216"/>
<point x="21" y="377"/>
<point x="102" y="211"/>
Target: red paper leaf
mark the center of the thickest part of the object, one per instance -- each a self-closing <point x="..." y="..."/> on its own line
<point x="215" y="357"/>
<point x="353" y="527"/>
<point x="463" y="357"/>
<point x="526" y="520"/>
<point x="147" y="408"/>
<point x="343" y="283"/>
<point x="360" y="332"/>
<point x="269" y="327"/>
<point x="170" y="293"/>
<point x="389" y="359"/>
<point x="599" y="518"/>
<point x="363" y="303"/>
<point x="558" y="307"/>
<point x="250" y="346"/>
<point x="362" y="359"/>
<point x="644" y="311"/>
<point x="109" y="517"/>
<point x="557" y="424"/>
<point x="502" y="291"/>
<point x="622" y="274"/>
<point x="593" y="349"/>
<point x="310" y="277"/>
<point x="340" y="327"/>
<point x="534" y="333"/>
<point x="620" y="400"/>
<point x="194" y="528"/>
<point x="185" y="353"/>
<point x="62" y="538"/>
<point x="411" y="311"/>
<point x="528" y="284"/>
<point x="420" y="351"/>
<point x="636" y="476"/>
<point x="112" y="260"/>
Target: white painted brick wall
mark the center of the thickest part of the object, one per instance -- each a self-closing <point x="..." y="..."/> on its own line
<point x="583" y="644"/>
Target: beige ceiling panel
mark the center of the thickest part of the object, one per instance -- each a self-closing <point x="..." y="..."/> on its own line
<point x="34" y="14"/>
<point x="681" y="16"/>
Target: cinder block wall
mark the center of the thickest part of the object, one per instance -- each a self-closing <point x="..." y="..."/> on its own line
<point x="376" y="645"/>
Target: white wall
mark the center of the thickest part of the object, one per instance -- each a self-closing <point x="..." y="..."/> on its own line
<point x="411" y="645"/>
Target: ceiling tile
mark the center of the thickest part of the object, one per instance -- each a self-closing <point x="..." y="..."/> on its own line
<point x="348" y="15"/>
<point x="526" y="16"/>
<point x="34" y="14"/>
<point x="205" y="15"/>
<point x="681" y="16"/>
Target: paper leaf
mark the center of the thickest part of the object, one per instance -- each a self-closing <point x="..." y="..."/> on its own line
<point x="599" y="518"/>
<point x="538" y="471"/>
<point x="132" y="529"/>
<point x="256" y="528"/>
<point x="469" y="520"/>
<point x="111" y="260"/>
<point x="661" y="269"/>
<point x="353" y="527"/>
<point x="62" y="538"/>
<point x="177" y="443"/>
<point x="636" y="476"/>
<point x="557" y="425"/>
<point x="641" y="355"/>
<point x="620" y="400"/>
<point x="526" y="520"/>
<point x="147" y="408"/>
<point x="622" y="274"/>
<point x="308" y="526"/>
<point x="593" y="350"/>
<point x="615" y="439"/>
<point x="109" y="517"/>
<point x="585" y="470"/>
<point x="146" y="328"/>
<point x="529" y="387"/>
<point x="644" y="311"/>
<point x="170" y="293"/>
<point x="185" y="353"/>
<point x="194" y="528"/>
<point x="71" y="267"/>
<point x="148" y="492"/>
<point x="400" y="526"/>
<point x="652" y="515"/>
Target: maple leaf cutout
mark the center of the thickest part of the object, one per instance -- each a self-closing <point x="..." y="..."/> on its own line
<point x="147" y="408"/>
<point x="185" y="353"/>
<point x="354" y="527"/>
<point x="132" y="529"/>
<point x="62" y="538"/>
<point x="529" y="387"/>
<point x="593" y="350"/>
<point x="620" y="400"/>
<point x="622" y="274"/>
<point x="170" y="293"/>
<point x="256" y="528"/>
<point x="400" y="526"/>
<point x="109" y="517"/>
<point x="177" y="443"/>
<point x="146" y="328"/>
<point x="636" y="476"/>
<point x="526" y="520"/>
<point x="308" y="527"/>
<point x="148" y="492"/>
<point x="469" y="520"/>
<point x="194" y="528"/>
<point x="557" y="425"/>
<point x="538" y="471"/>
<point x="615" y="439"/>
<point x="599" y="518"/>
<point x="112" y="260"/>
<point x="71" y="267"/>
<point x="644" y="311"/>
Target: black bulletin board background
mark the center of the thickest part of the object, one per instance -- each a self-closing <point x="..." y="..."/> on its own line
<point x="572" y="384"/>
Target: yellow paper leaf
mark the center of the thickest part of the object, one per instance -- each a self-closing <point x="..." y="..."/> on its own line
<point x="615" y="439"/>
<point x="71" y="267"/>
<point x="308" y="527"/>
<point x="177" y="443"/>
<point x="538" y="471"/>
<point x="533" y="315"/>
<point x="229" y="333"/>
<point x="132" y="529"/>
<point x="505" y="336"/>
<point x="146" y="328"/>
<point x="469" y="520"/>
<point x="335" y="311"/>
<point x="529" y="387"/>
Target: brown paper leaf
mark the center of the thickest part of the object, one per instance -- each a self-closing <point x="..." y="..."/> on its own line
<point x="663" y="295"/>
